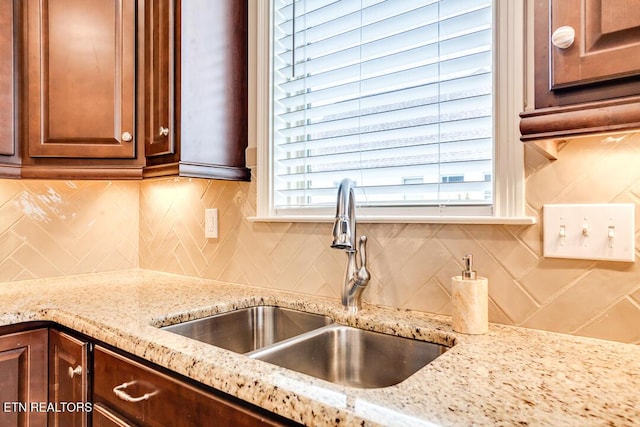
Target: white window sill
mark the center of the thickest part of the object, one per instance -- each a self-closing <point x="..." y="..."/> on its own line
<point x="523" y="220"/>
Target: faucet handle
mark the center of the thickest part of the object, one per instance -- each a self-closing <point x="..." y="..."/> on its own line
<point x="362" y="274"/>
<point x="362" y="248"/>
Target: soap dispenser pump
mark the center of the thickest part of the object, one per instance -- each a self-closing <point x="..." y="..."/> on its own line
<point x="469" y="300"/>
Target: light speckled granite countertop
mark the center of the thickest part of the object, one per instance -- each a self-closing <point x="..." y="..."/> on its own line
<point x="511" y="376"/>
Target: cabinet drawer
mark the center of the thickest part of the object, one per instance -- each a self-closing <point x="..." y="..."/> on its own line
<point x="103" y="417"/>
<point x="150" y="398"/>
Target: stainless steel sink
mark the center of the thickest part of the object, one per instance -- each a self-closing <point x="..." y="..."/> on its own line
<point x="250" y="328"/>
<point x="352" y="357"/>
<point x="312" y="344"/>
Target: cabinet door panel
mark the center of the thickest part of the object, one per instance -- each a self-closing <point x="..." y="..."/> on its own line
<point x="81" y="75"/>
<point x="23" y="378"/>
<point x="67" y="379"/>
<point x="213" y="110"/>
<point x="7" y="73"/>
<point x="160" y="62"/>
<point x="607" y="42"/>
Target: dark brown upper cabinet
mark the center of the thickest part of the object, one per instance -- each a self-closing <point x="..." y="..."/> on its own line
<point x="590" y="84"/>
<point x="73" y="110"/>
<point x="92" y="90"/>
<point x="197" y="76"/>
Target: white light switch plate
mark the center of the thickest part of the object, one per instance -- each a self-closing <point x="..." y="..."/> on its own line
<point x="590" y="231"/>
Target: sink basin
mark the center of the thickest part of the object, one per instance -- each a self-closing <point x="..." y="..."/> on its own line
<point x="250" y="328"/>
<point x="352" y="357"/>
<point x="312" y="344"/>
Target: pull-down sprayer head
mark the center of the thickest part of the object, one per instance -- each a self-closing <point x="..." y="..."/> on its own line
<point x="344" y="227"/>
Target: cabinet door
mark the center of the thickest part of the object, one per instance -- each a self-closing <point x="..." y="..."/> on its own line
<point x="80" y="71"/>
<point x="23" y="378"/>
<point x="161" y="56"/>
<point x="68" y="379"/>
<point x="602" y="63"/>
<point x="607" y="41"/>
<point x="7" y="76"/>
<point x="214" y="93"/>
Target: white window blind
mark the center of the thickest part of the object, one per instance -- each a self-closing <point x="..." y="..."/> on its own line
<point x="395" y="94"/>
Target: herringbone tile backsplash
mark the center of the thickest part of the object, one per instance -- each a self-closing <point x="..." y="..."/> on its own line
<point x="54" y="228"/>
<point x="412" y="264"/>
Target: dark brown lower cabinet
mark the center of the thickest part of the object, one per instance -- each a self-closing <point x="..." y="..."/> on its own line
<point x="68" y="380"/>
<point x="147" y="397"/>
<point x="23" y="378"/>
<point x="61" y="379"/>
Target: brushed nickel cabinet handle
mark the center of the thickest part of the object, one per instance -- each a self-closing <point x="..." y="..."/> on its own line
<point x="563" y="37"/>
<point x="73" y="372"/>
<point x="127" y="137"/>
<point x="163" y="131"/>
<point x="119" y="391"/>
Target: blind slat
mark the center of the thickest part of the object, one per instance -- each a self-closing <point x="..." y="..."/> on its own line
<point x="343" y="87"/>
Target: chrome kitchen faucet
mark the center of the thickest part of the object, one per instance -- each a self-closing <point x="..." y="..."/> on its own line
<point x="344" y="237"/>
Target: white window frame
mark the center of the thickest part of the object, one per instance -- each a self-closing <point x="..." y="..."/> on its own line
<point x="509" y="80"/>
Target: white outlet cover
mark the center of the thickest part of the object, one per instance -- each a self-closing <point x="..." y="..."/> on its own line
<point x="211" y="223"/>
<point x="591" y="231"/>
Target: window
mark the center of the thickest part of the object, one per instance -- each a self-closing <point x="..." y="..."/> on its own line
<point x="398" y="95"/>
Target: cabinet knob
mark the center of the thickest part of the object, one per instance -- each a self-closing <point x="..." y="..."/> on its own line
<point x="163" y="131"/>
<point x="563" y="37"/>
<point x="127" y="137"/>
<point x="73" y="372"/>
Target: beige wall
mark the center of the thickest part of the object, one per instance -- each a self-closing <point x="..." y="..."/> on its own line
<point x="56" y="228"/>
<point x="412" y="264"/>
<point x="53" y="228"/>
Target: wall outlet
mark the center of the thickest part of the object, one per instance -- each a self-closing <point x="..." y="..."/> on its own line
<point x="590" y="231"/>
<point x="211" y="223"/>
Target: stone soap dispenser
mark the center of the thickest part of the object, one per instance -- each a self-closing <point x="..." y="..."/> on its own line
<point x="469" y="295"/>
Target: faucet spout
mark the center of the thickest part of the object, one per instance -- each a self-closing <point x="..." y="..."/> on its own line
<point x="344" y="237"/>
